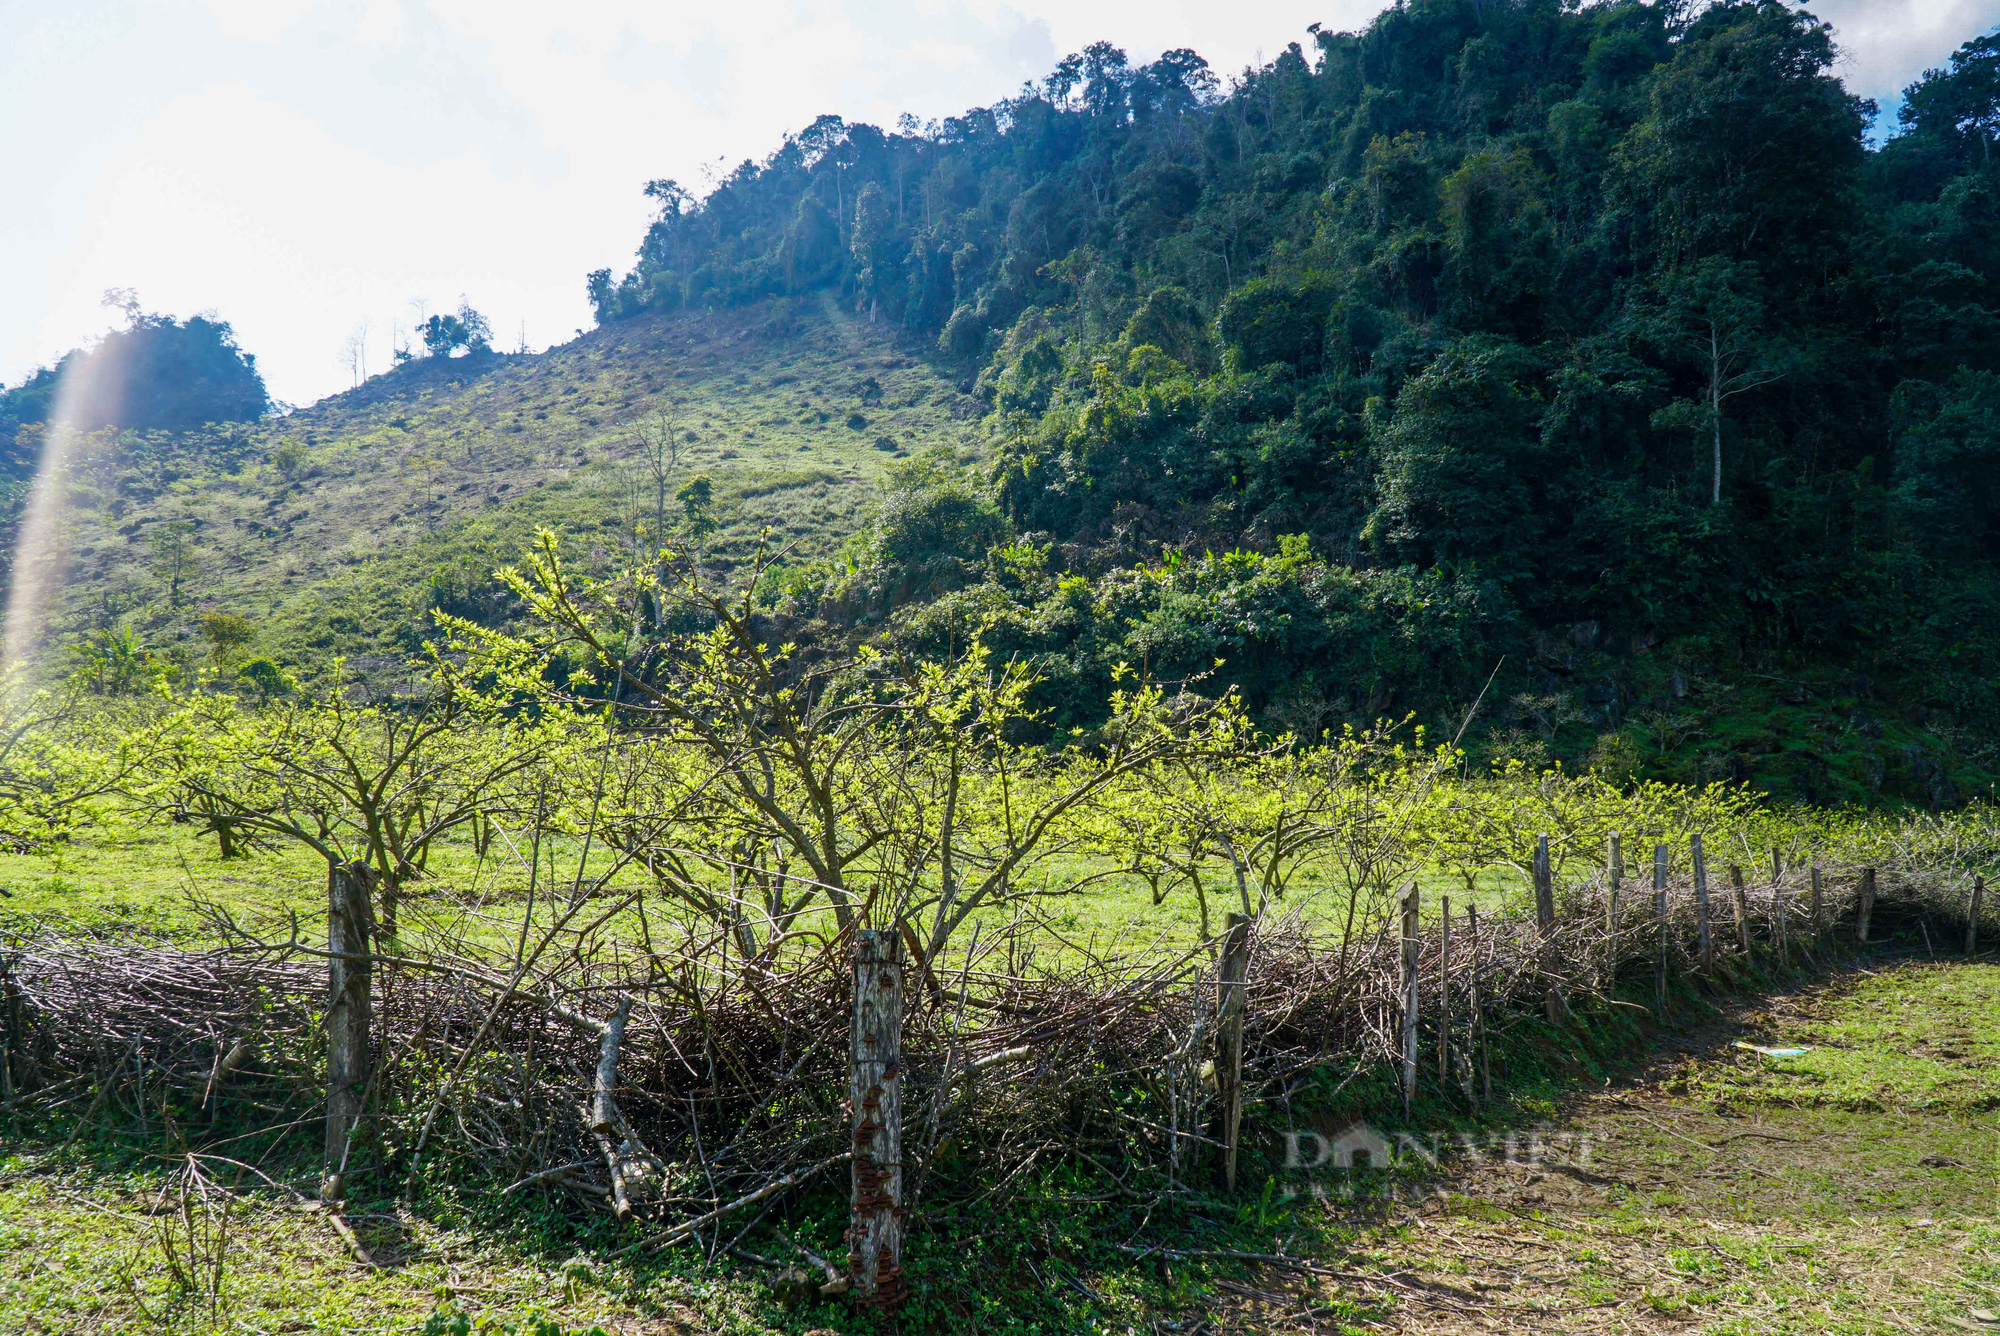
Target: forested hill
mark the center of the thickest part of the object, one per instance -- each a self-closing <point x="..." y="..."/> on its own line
<point x="1596" y="337"/>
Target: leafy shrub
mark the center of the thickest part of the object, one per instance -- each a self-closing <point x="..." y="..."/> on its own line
<point x="267" y="679"/>
<point x="450" y="1319"/>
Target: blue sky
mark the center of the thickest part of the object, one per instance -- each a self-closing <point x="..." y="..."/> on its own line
<point x="303" y="168"/>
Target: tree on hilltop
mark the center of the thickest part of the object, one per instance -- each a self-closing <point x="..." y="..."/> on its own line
<point x="157" y="373"/>
<point x="449" y="335"/>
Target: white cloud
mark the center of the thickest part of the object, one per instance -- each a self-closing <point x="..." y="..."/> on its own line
<point x="1887" y="44"/>
<point x="382" y="24"/>
<point x="257" y="20"/>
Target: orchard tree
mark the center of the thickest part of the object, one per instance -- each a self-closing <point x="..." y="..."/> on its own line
<point x="377" y="783"/>
<point x="882" y="790"/>
<point x="66" y="752"/>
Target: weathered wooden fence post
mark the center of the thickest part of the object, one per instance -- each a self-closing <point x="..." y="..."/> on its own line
<point x="350" y="932"/>
<point x="1230" y="1004"/>
<point x="1614" y="885"/>
<point x="1545" y="889"/>
<point x="1704" y="932"/>
<point x="1781" y="918"/>
<point x="1444" y="992"/>
<point x="1545" y="926"/>
<point x="1864" y="908"/>
<point x="1742" y="904"/>
<point x="1478" y="1010"/>
<point x="1972" y="916"/>
<point x="1660" y="918"/>
<point x="1614" y="877"/>
<point x="874" y="1089"/>
<point x="1407" y="900"/>
<point x="14" y="1043"/>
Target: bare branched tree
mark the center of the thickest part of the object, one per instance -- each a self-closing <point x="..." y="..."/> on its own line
<point x="762" y="786"/>
<point x="381" y="784"/>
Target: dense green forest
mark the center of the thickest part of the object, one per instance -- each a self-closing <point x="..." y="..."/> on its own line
<point x="1609" y="359"/>
<point x="1598" y="337"/>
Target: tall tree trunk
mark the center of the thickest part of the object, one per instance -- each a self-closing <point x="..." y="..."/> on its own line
<point x="1715" y="408"/>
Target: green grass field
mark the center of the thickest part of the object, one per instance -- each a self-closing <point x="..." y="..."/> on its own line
<point x="1850" y="1188"/>
<point x="154" y="877"/>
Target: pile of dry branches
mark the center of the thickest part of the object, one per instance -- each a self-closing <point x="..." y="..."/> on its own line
<point x="673" y="1081"/>
<point x="150" y="1033"/>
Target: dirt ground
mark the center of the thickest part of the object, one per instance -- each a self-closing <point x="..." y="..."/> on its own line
<point x="1851" y="1187"/>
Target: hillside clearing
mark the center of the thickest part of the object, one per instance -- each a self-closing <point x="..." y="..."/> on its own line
<point x="336" y="530"/>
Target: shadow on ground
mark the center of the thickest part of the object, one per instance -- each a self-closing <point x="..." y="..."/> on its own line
<point x="1824" y="1160"/>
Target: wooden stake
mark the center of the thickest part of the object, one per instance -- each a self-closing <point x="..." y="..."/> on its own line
<point x="1478" y="1010"/>
<point x="1742" y="899"/>
<point x="1407" y="900"/>
<point x="15" y="1051"/>
<point x="1614" y="881"/>
<point x="875" y="1045"/>
<point x="1864" y="909"/>
<point x="1545" y="924"/>
<point x="1614" y="876"/>
<point x="625" y="1156"/>
<point x="1972" y="916"/>
<point x="1444" y="993"/>
<point x="1781" y="918"/>
<point x="1704" y="934"/>
<point x="1545" y="890"/>
<point x="350" y="929"/>
<point x="1660" y="918"/>
<point x="1231" y="1003"/>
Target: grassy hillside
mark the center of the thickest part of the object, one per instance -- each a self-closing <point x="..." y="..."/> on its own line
<point x="335" y="530"/>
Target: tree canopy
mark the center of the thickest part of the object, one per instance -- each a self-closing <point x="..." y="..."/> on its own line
<point x="155" y="374"/>
<point x="1601" y="315"/>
